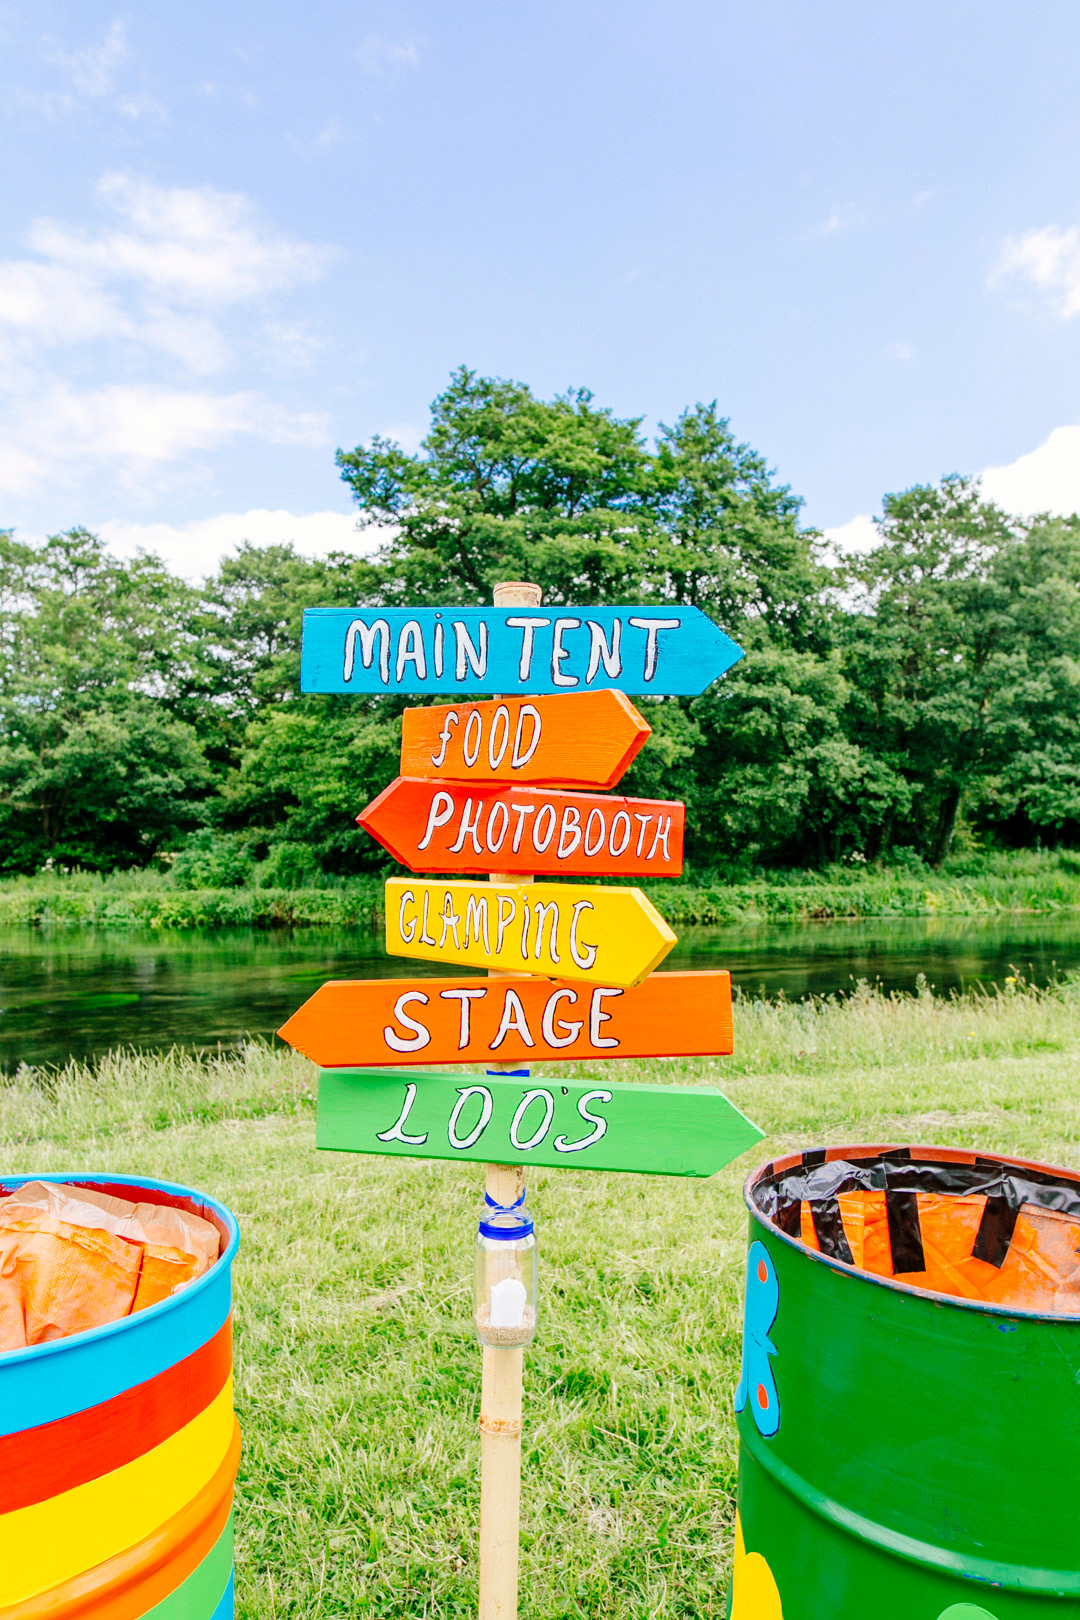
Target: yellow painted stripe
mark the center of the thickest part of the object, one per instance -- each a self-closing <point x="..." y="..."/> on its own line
<point x="49" y="1542"/>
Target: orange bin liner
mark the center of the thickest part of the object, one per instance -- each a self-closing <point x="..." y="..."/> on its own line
<point x="1040" y="1273"/>
<point x="72" y="1258"/>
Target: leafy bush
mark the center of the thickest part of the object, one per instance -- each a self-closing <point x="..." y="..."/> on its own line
<point x="213" y="860"/>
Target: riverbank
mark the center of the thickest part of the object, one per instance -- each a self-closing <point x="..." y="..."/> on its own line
<point x="358" y="1372"/>
<point x="1026" y="881"/>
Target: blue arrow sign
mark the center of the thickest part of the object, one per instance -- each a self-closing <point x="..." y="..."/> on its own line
<point x="659" y="650"/>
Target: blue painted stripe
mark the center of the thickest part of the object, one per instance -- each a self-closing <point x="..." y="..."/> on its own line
<point x="50" y="1381"/>
<point x="226" y="1607"/>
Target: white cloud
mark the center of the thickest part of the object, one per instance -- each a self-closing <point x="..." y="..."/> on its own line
<point x="1048" y="260"/>
<point x="154" y="280"/>
<point x="60" y="431"/>
<point x="901" y="352"/>
<point x="195" y="549"/>
<point x="1047" y="479"/>
<point x="857" y="535"/>
<point x="93" y="75"/>
<point x="377" y="54"/>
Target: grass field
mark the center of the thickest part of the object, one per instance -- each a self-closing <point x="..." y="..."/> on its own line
<point x="358" y="1373"/>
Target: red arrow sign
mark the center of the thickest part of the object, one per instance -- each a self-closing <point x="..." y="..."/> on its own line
<point x="575" y="739"/>
<point x="450" y="827"/>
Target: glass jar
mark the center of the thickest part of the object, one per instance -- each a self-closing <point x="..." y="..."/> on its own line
<point x="505" y="1298"/>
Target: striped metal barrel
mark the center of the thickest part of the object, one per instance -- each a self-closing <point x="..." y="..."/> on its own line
<point x="119" y="1449"/>
<point x="907" y="1453"/>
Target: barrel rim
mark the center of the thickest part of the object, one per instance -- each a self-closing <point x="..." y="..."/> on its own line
<point x="942" y="1154"/>
<point x="97" y="1178"/>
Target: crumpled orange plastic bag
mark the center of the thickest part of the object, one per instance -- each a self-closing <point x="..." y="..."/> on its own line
<point x="75" y="1258"/>
<point x="1041" y="1270"/>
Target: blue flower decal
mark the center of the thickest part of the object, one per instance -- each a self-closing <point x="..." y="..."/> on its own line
<point x="757" y="1384"/>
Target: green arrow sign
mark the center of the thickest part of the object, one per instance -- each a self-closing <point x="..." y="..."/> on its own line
<point x="655" y="1130"/>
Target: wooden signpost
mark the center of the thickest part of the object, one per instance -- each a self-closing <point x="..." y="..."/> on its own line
<point x="451" y="827"/>
<point x="375" y="1022"/>
<point x="488" y="787"/>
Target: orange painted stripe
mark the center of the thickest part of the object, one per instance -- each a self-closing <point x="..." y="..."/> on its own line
<point x="38" y="1463"/>
<point x="126" y="1586"/>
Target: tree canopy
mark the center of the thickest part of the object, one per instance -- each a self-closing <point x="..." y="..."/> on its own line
<point x="925" y="689"/>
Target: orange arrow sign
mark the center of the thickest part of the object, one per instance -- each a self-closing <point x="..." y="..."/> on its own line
<point x="450" y="827"/>
<point x="380" y="1022"/>
<point x="575" y="739"/>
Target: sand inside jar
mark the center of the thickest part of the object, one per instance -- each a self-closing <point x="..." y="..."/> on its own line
<point x="504" y="1335"/>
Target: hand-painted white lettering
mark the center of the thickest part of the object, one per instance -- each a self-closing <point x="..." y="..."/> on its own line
<point x="522" y="756"/>
<point x="420" y="1037"/>
<point x="663" y="827"/>
<point x="439" y="638"/>
<point x="541" y="840"/>
<point x="589" y="847"/>
<point x="425" y="938"/>
<point x="410" y="650"/>
<point x="584" y="955"/>
<point x="525" y="930"/>
<point x="644" y="820"/>
<point x="571" y="1029"/>
<point x="513" y="1018"/>
<point x="463" y="997"/>
<point x="476" y="921"/>
<point x="600" y="1125"/>
<point x="522" y="811"/>
<point x="366" y="635"/>
<point x="622" y="816"/>
<point x="407" y="899"/>
<point x="598" y="1016"/>
<point x="599" y="649"/>
<point x="549" y="915"/>
<point x="496" y="751"/>
<point x="452" y="719"/>
<point x="442" y="808"/>
<point x="450" y="919"/>
<point x="652" y="648"/>
<point x="495" y="831"/>
<point x="473" y="1136"/>
<point x="476" y="657"/>
<point x="474" y="736"/>
<point x="506" y="917"/>
<point x="559" y="653"/>
<point x="569" y="831"/>
<point x="396" y="1133"/>
<point x="526" y="626"/>
<point x="519" y="1119"/>
<point x="468" y="828"/>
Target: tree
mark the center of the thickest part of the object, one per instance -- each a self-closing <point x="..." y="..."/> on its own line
<point x="963" y="658"/>
<point x="99" y="664"/>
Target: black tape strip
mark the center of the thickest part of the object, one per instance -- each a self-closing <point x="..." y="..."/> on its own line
<point x="829" y="1229"/>
<point x="813" y="1157"/>
<point x="905" y="1230"/>
<point x="996" y="1231"/>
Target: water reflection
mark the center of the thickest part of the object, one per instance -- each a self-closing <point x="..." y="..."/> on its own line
<point x="78" y="992"/>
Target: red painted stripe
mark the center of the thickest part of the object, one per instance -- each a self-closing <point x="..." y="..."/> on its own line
<point x="41" y="1462"/>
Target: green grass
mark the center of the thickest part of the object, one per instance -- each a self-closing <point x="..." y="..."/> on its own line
<point x="358" y="1373"/>
<point x="1025" y="881"/>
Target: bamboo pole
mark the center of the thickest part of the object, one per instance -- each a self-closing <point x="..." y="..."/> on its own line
<point x="500" y="1388"/>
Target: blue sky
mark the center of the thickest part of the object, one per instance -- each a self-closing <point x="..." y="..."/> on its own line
<point x="237" y="236"/>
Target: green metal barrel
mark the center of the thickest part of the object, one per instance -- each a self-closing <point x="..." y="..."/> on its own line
<point x="907" y="1454"/>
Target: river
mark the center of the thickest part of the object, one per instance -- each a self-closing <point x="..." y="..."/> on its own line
<point x="77" y="992"/>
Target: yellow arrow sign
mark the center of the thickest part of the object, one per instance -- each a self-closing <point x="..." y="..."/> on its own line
<point x="603" y="936"/>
